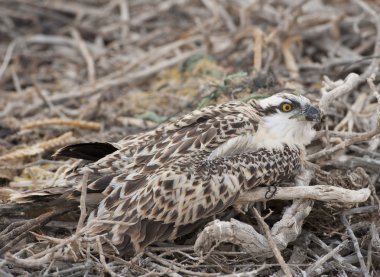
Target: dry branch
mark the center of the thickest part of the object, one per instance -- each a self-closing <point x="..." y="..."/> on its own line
<point x="328" y="249"/>
<point x="257" y="50"/>
<point x="9" y="239"/>
<point x="62" y="122"/>
<point x="83" y="210"/>
<point x="244" y="235"/>
<point x="310" y="270"/>
<point x="272" y="244"/>
<point x="354" y="239"/>
<point x="333" y="90"/>
<point x="318" y="192"/>
<point x="38" y="148"/>
<point x="341" y="88"/>
<point x="289" y="58"/>
<point x="86" y="55"/>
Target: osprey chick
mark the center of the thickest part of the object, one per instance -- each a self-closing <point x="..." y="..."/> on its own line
<point x="164" y="183"/>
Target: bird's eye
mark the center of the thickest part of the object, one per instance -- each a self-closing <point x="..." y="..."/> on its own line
<point x="286" y="107"/>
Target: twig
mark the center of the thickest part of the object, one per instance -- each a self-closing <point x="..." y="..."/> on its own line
<point x="309" y="271"/>
<point x="337" y="257"/>
<point x="38" y="148"/>
<point x="35" y="39"/>
<point x="333" y="90"/>
<point x="16" y="80"/>
<point x="5" y="274"/>
<point x="250" y="273"/>
<point x="14" y="236"/>
<point x="7" y="57"/>
<point x="70" y="271"/>
<point x="364" y="152"/>
<point x="257" y="50"/>
<point x="374" y="66"/>
<point x="83" y="211"/>
<point x="103" y="259"/>
<point x="353" y="237"/>
<point x="375" y="239"/>
<point x="329" y="133"/>
<point x="177" y="268"/>
<point x="86" y="55"/>
<point x="272" y="244"/>
<point x="62" y="122"/>
<point x="336" y="92"/>
<point x="46" y="101"/>
<point x="29" y="263"/>
<point x="218" y="10"/>
<point x="164" y="271"/>
<point x="124" y="17"/>
<point x="290" y="61"/>
<point x="359" y="138"/>
<point x="55" y="248"/>
<point x="348" y="161"/>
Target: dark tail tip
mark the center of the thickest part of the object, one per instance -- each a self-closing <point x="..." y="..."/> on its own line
<point x="91" y="151"/>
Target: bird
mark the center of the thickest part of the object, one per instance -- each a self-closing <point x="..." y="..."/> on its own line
<point x="165" y="183"/>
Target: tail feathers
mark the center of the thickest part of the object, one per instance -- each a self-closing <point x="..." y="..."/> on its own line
<point x="91" y="151"/>
<point x="8" y="195"/>
<point x="52" y="197"/>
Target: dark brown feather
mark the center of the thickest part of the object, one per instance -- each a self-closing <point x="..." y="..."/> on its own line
<point x="91" y="151"/>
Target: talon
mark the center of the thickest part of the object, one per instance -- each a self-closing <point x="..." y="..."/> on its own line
<point x="269" y="194"/>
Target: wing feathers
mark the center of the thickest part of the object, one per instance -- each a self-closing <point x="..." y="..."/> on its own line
<point x="175" y="203"/>
<point x="163" y="184"/>
<point x="202" y="130"/>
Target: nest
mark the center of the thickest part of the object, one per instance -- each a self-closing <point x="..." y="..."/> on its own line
<point x="85" y="71"/>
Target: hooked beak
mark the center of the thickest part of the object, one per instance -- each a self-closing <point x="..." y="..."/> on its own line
<point x="310" y="113"/>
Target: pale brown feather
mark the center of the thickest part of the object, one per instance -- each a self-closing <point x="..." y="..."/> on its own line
<point x="185" y="193"/>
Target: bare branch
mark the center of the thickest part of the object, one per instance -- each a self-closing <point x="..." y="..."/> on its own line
<point x="272" y="244"/>
<point x="318" y="192"/>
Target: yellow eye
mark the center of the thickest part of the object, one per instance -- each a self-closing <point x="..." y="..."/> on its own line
<point x="286" y="107"/>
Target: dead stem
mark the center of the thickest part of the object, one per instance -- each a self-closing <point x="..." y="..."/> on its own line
<point x="83" y="211"/>
<point x="272" y="244"/>
<point x="354" y="239"/>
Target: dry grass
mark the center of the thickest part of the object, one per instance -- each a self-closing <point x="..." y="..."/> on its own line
<point x="100" y="70"/>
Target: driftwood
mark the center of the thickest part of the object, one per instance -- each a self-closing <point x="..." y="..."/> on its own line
<point x="252" y="242"/>
<point x="319" y="192"/>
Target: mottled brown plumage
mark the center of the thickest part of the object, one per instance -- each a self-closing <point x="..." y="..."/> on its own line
<point x="162" y="184"/>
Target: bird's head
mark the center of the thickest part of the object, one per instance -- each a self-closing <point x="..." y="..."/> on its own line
<point x="288" y="117"/>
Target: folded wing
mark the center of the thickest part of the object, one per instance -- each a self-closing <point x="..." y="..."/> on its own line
<point x="181" y="196"/>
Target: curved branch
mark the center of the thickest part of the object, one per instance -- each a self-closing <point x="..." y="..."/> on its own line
<point x="319" y="192"/>
<point x="283" y="232"/>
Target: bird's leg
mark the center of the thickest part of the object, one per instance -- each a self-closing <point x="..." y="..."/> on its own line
<point x="271" y="191"/>
<point x="304" y="177"/>
<point x="241" y="208"/>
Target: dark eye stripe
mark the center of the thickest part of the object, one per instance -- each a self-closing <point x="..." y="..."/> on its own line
<point x="268" y="111"/>
<point x="295" y="103"/>
<point x="274" y="109"/>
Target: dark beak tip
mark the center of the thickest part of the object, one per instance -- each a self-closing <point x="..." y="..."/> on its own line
<point x="313" y="114"/>
<point x="317" y="117"/>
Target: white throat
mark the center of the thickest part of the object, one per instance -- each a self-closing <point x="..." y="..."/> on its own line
<point x="270" y="134"/>
<point x="276" y="130"/>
